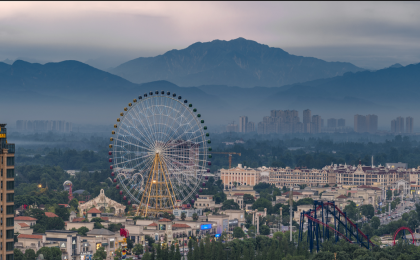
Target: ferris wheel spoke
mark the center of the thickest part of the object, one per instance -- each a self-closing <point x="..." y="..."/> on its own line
<point x="145" y="123"/>
<point x="138" y="119"/>
<point x="127" y="131"/>
<point x="133" y="144"/>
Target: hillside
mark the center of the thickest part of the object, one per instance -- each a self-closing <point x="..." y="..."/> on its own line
<point x="238" y="62"/>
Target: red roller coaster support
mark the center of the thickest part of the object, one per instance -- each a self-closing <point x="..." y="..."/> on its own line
<point x="404" y="228"/>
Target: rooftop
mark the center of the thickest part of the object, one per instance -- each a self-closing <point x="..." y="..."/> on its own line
<point x="51" y="215"/>
<point x="102" y="231"/>
<point x="30" y="236"/>
<point x="94" y="210"/>
<point x="25" y="218"/>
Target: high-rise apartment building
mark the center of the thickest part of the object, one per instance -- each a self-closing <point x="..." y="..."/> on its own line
<point x="393" y="126"/>
<point x="332" y="123"/>
<point x="316" y="124"/>
<point x="372" y="123"/>
<point x="341" y="122"/>
<point x="243" y="124"/>
<point x="44" y="125"/>
<point x="360" y="125"/>
<point x="232" y="127"/>
<point x="250" y="127"/>
<point x="409" y="125"/>
<point x="400" y="125"/>
<point x="7" y="170"/>
<point x="307" y="121"/>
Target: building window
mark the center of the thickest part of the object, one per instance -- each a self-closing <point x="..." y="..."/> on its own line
<point x="9" y="233"/>
<point x="10" y="197"/>
<point x="10" y="222"/>
<point x="9" y="246"/>
<point x="10" y="185"/>
<point x="9" y="257"/>
<point x="10" y="173"/>
<point x="10" y="161"/>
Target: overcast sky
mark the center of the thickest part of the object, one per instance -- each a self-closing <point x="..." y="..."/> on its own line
<point x="368" y="34"/>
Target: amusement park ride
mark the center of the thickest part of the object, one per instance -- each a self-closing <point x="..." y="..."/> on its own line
<point x="159" y="153"/>
<point x="318" y="229"/>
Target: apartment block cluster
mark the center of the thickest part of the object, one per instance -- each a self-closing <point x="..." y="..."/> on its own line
<point x="342" y="174"/>
<point x="288" y="121"/>
<point x="366" y="124"/>
<point x="43" y="126"/>
<point x="397" y="125"/>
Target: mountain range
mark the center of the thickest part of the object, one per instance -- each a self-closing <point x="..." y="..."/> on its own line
<point x="238" y="62"/>
<point x="76" y="92"/>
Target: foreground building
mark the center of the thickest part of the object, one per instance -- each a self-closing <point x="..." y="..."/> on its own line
<point x="7" y="171"/>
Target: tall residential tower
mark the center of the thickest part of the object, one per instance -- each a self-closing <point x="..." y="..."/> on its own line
<point x="7" y="171"/>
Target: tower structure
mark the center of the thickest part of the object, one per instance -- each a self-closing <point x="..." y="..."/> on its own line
<point x="409" y="125"/>
<point x="243" y="124"/>
<point x="7" y="170"/>
<point x="159" y="195"/>
<point x="307" y="121"/>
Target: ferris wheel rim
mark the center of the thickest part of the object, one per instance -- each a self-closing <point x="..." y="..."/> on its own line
<point x="192" y="183"/>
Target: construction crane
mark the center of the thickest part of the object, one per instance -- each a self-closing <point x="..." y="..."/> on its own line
<point x="230" y="156"/>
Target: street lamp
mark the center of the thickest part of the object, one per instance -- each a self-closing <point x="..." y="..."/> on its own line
<point x="39" y="185"/>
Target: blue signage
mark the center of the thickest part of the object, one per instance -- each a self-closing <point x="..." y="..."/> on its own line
<point x="205" y="226"/>
<point x="217" y="235"/>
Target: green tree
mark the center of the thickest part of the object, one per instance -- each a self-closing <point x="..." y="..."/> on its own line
<point x="130" y="243"/>
<point x="251" y="231"/>
<point x="30" y="254"/>
<point x="138" y="249"/>
<point x="248" y="199"/>
<point x="238" y="232"/>
<point x="183" y="216"/>
<point x="195" y="217"/>
<point x="63" y="213"/>
<point x="375" y="222"/>
<point x="264" y="230"/>
<point x="55" y="224"/>
<point x="100" y="254"/>
<point x="230" y="204"/>
<point x="18" y="255"/>
<point x="74" y="203"/>
<point x="262" y="203"/>
<point x="367" y="210"/>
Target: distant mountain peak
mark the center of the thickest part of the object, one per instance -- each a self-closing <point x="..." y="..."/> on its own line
<point x="396" y="65"/>
<point x="237" y="62"/>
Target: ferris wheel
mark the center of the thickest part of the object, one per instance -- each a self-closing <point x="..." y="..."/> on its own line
<point x="159" y="152"/>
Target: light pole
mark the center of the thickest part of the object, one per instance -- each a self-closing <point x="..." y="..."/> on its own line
<point x="227" y="252"/>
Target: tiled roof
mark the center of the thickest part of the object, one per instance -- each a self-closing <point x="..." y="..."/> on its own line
<point x="177" y="225"/>
<point x="164" y="220"/>
<point x="30" y="236"/>
<point x="81" y="202"/>
<point x="51" y="215"/>
<point x="105" y="218"/>
<point x="368" y="187"/>
<point x="153" y="225"/>
<point x="239" y="194"/>
<point x="94" y="210"/>
<point x="78" y="219"/>
<point x="25" y="218"/>
<point x="65" y="205"/>
<point x="23" y="225"/>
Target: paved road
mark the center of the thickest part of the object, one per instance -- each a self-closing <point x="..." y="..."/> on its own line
<point x="396" y="213"/>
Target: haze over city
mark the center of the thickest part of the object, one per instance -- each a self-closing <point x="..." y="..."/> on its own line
<point x="209" y="130"/>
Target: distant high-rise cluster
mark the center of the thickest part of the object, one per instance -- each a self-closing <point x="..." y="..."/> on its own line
<point x="366" y="124"/>
<point x="232" y="127"/>
<point x="281" y="121"/>
<point x="397" y="125"/>
<point x="244" y="126"/>
<point x="44" y="125"/>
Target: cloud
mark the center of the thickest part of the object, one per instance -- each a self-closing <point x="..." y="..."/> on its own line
<point x="75" y="29"/>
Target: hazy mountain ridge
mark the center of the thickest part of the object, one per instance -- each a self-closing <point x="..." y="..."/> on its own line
<point x="238" y="62"/>
<point x="77" y="92"/>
